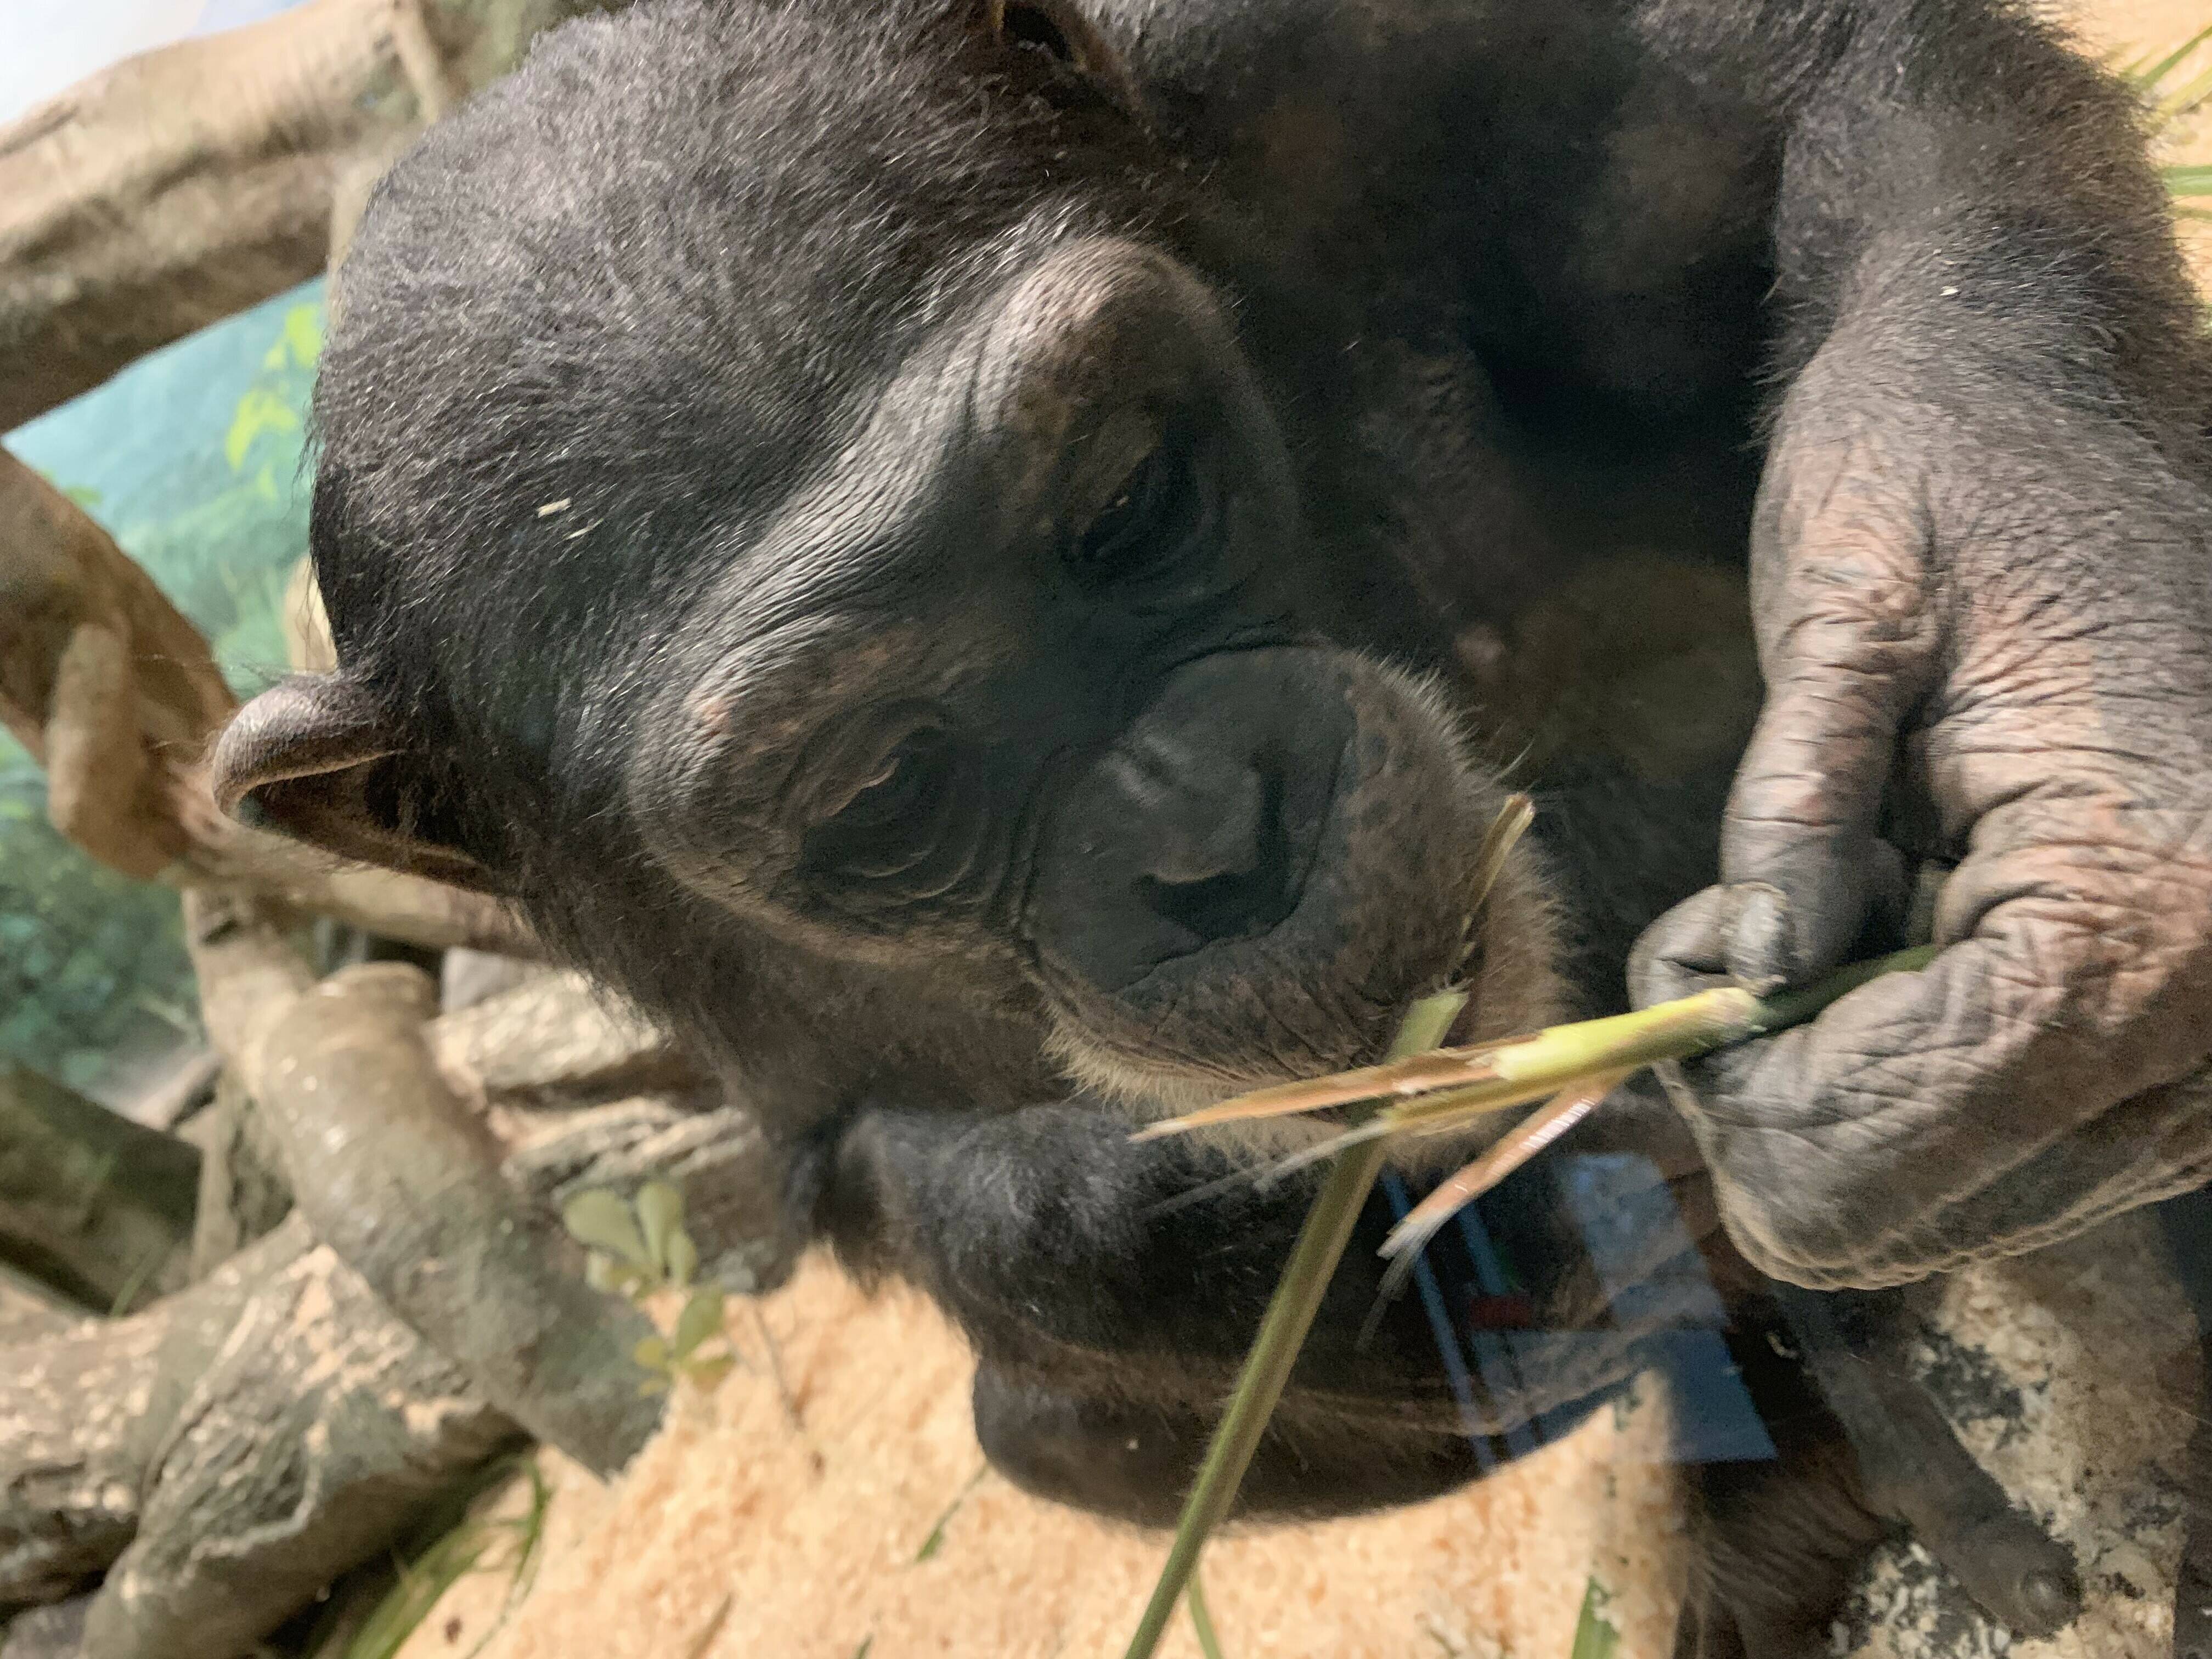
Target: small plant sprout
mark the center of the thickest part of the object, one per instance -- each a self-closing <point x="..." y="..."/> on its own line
<point x="639" y="1250"/>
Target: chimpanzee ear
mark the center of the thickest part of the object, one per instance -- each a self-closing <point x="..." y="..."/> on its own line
<point x="318" y="758"/>
<point x="1060" y="29"/>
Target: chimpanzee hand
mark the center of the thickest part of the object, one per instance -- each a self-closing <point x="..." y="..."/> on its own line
<point x="1994" y="603"/>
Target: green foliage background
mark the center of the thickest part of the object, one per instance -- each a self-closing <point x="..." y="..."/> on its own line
<point x="194" y="460"/>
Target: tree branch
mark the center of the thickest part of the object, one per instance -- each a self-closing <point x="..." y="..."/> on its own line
<point x="191" y="182"/>
<point x="114" y="692"/>
<point x="91" y="1203"/>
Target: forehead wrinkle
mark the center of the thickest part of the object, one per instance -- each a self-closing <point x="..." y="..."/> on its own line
<point x="872" y="510"/>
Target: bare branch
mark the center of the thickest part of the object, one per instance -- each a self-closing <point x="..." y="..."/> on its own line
<point x="188" y="183"/>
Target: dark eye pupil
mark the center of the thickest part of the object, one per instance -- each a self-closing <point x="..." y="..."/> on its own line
<point x="907" y="812"/>
<point x="1147" y="523"/>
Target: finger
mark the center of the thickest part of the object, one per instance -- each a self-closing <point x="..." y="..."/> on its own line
<point x="1730" y="935"/>
<point x="1689" y="948"/>
<point x="1847" y="640"/>
<point x="1684" y="953"/>
<point x="1972" y="1109"/>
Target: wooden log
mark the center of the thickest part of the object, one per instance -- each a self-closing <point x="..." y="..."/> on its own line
<point x="225" y="1455"/>
<point x="30" y="1309"/>
<point x="92" y="1204"/>
<point x="391" y="1169"/>
<point x="555" y="1040"/>
<point x="237" y="1446"/>
<point x="312" y="1431"/>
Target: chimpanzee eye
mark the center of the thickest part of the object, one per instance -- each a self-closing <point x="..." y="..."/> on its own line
<point x="1149" y="520"/>
<point x="902" y="784"/>
<point x="898" y="817"/>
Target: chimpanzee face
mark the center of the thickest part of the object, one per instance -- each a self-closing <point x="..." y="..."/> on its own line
<point x="1002" y="677"/>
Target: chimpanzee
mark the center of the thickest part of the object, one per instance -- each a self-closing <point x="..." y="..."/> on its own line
<point x="993" y="560"/>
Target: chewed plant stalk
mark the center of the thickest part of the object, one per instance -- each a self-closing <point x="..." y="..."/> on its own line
<point x="1430" y="1092"/>
<point x="1298" y="1295"/>
<point x="1427" y="1090"/>
<point x="1456" y="1191"/>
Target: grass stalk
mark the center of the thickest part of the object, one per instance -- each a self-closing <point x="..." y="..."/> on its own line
<point x="1201" y="1620"/>
<point x="1282" y="1331"/>
<point x="1423" y="1088"/>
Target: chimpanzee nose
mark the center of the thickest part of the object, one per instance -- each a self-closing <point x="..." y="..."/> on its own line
<point x="1195" y="828"/>
<point x="1210" y="857"/>
<point x="1204" y="819"/>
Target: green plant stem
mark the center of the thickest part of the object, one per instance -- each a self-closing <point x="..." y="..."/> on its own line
<point x="1283" y="1329"/>
<point x="1201" y="1618"/>
<point x="1536" y="1067"/>
<point x="1786" y="1008"/>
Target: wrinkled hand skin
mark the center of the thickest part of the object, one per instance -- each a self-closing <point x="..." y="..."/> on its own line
<point x="1986" y="624"/>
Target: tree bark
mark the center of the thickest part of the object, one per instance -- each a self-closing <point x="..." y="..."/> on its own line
<point x="227" y="1454"/>
<point x="393" y="1172"/>
<point x="190" y="182"/>
<point x="31" y="1310"/>
<point x="555" y="1041"/>
<point x="91" y="1203"/>
<point x="240" y="1444"/>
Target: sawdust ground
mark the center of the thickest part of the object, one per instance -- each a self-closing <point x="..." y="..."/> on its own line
<point x="796" y="1527"/>
<point x="745" y="1531"/>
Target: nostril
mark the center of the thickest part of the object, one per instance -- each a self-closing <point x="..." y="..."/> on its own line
<point x="1208" y="828"/>
<point x="1235" y="879"/>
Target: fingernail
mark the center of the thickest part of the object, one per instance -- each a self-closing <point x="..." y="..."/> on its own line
<point x="1760" y="940"/>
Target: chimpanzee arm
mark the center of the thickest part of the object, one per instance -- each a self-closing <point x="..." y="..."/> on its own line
<point x="1980" y="583"/>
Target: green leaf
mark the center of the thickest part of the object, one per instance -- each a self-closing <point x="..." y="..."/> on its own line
<point x="303" y="334"/>
<point x="701" y="1318"/>
<point x="1595" y="1635"/>
<point x="2192" y="179"/>
<point x="2191" y="94"/>
<point x="935" y="1541"/>
<point x="706" y="1375"/>
<point x="660" y="1209"/>
<point x="2148" y="75"/>
<point x="260" y="410"/>
<point x="651" y="1386"/>
<point x="682" y="1259"/>
<point x="651" y="1353"/>
<point x="602" y="1220"/>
